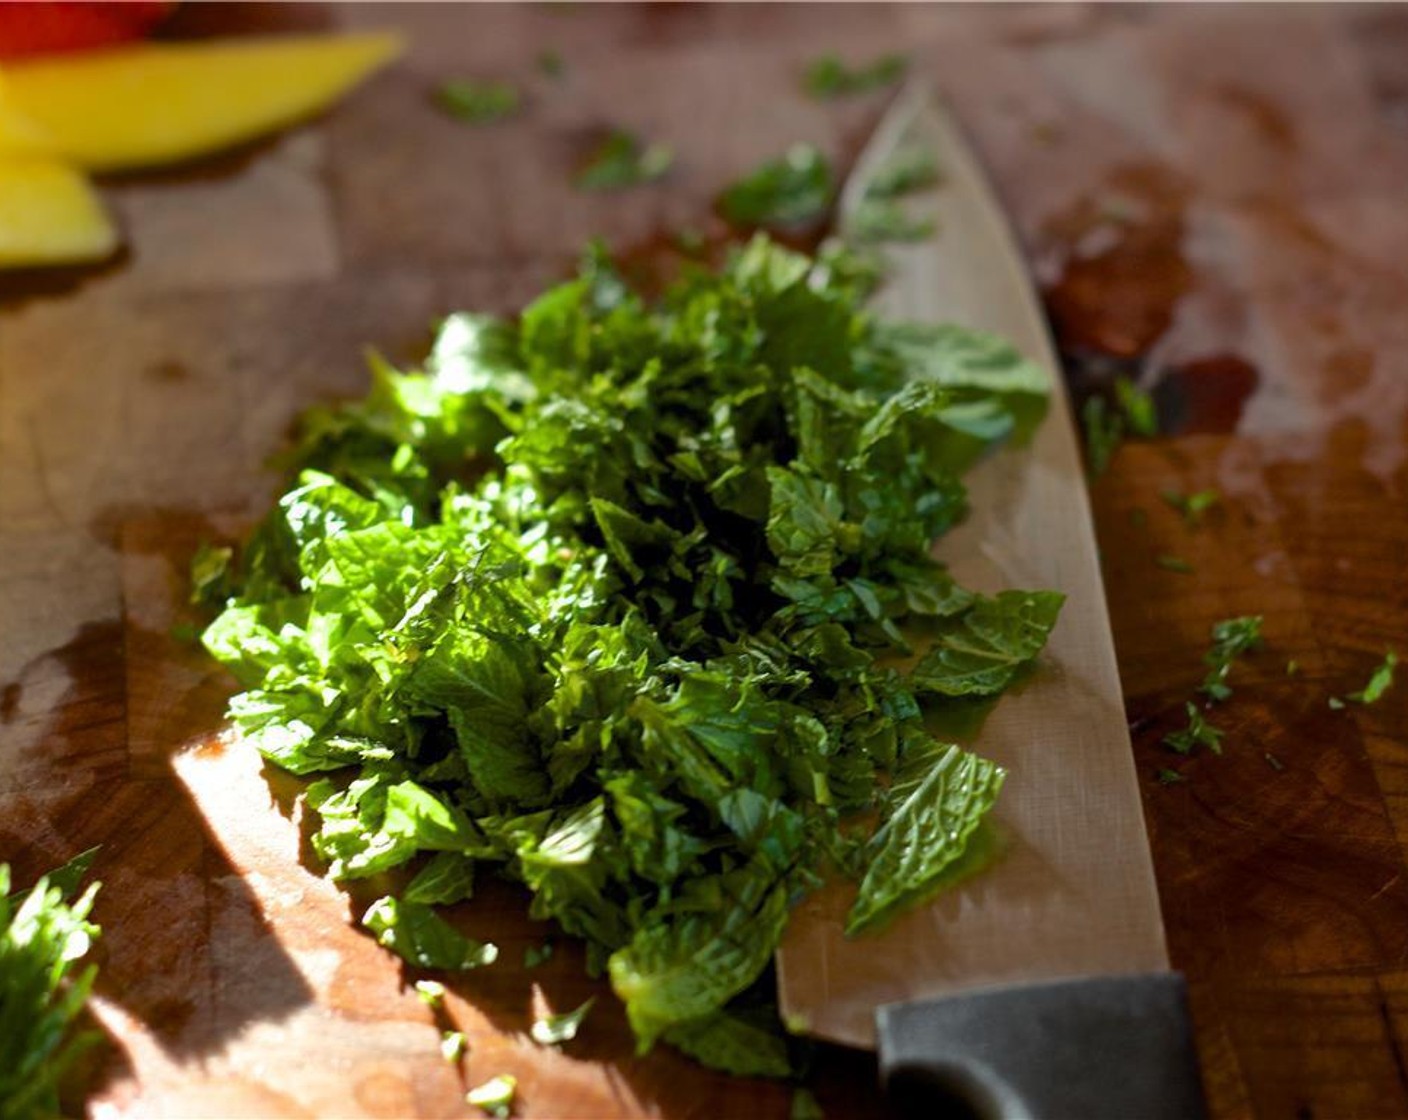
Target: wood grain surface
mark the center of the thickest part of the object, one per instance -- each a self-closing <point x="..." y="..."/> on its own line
<point x="1212" y="201"/>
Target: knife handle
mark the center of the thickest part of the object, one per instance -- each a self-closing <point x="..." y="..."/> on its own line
<point x="1105" y="1048"/>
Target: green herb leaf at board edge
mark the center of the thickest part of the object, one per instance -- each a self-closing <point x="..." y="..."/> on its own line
<point x="478" y="103"/>
<point x="621" y="160"/>
<point x="605" y="597"/>
<point x="1198" y="732"/>
<point x="909" y="169"/>
<point x="791" y="191"/>
<point x="44" y="933"/>
<point x="553" y="1030"/>
<point x="495" y="1096"/>
<point x="879" y="220"/>
<point x="421" y="937"/>
<point x="829" y="77"/>
<point x="1379" y="683"/>
<point x="1104" y="430"/>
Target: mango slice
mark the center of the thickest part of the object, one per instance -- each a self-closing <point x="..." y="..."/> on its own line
<point x="159" y="103"/>
<point x="49" y="215"/>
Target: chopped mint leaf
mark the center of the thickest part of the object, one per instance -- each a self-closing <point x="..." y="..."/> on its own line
<point x="790" y="191"/>
<point x="1336" y="704"/>
<point x="1191" y="506"/>
<point x="495" y="1096"/>
<point x="829" y="77"/>
<point x="1231" y="638"/>
<point x="607" y="598"/>
<point x="1379" y="683"/>
<point x="44" y="933"/>
<point x="431" y="992"/>
<point x="1292" y="667"/>
<point x="1104" y="432"/>
<point x="550" y="64"/>
<point x="1137" y="406"/>
<point x="555" y="1029"/>
<point x="211" y="575"/>
<point x="453" y="1045"/>
<point x="908" y="170"/>
<point x="805" y="1106"/>
<point x="1198" y="733"/>
<point x="1169" y="777"/>
<point x="423" y="938"/>
<point x="534" y="955"/>
<point x="479" y="102"/>
<point x="1174" y="564"/>
<point x="1273" y="762"/>
<point x="879" y="219"/>
<point x="621" y="160"/>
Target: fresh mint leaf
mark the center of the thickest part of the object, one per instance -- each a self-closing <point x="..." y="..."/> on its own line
<point x="495" y="1096"/>
<point x="909" y="169"/>
<point x="44" y="933"/>
<point x="735" y="1044"/>
<point x="790" y="191"/>
<point x="1231" y="638"/>
<point x="829" y="77"/>
<point x="978" y="652"/>
<point x="1198" y="733"/>
<point x="421" y="937"/>
<point x="622" y="160"/>
<point x="478" y="102"/>
<point x="1379" y="683"/>
<point x="553" y="1030"/>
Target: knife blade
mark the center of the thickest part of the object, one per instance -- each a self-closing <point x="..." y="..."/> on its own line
<point x="1072" y="895"/>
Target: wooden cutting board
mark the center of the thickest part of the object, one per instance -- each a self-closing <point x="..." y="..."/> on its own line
<point x="136" y="406"/>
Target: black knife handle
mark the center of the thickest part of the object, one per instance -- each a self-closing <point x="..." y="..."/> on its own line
<point x="1106" y="1048"/>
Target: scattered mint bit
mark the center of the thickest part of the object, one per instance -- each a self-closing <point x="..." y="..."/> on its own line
<point x="1292" y="667"/>
<point x="1336" y="704"/>
<point x="556" y="1029"/>
<point x="805" y="1106"/>
<point x="621" y="160"/>
<point x="550" y="64"/>
<point x="1104" y="432"/>
<point x="1231" y="638"/>
<point x="1193" y="506"/>
<point x="423" y="938"/>
<point x="479" y="102"/>
<point x="790" y="191"/>
<point x="495" y="1096"/>
<point x="608" y="598"/>
<point x="909" y="169"/>
<point x="44" y="933"/>
<point x="453" y="1045"/>
<point x="1174" y="564"/>
<point x="211" y="575"/>
<point x="1273" y="762"/>
<point x="828" y="77"/>
<point x="1199" y="732"/>
<point x="1169" y="777"/>
<point x="1137" y="406"/>
<point x="431" y="992"/>
<point x="534" y="955"/>
<point x="1379" y="683"/>
<point x="881" y="219"/>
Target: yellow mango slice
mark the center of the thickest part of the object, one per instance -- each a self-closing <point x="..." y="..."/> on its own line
<point x="158" y="103"/>
<point x="49" y="214"/>
<point x="17" y="132"/>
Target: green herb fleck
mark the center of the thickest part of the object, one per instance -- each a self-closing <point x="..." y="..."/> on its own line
<point x="908" y="169"/>
<point x="621" y="160"/>
<point x="534" y="955"/>
<point x="212" y="580"/>
<point x="1379" y="683"/>
<point x="790" y="191"/>
<point x="1169" y="777"/>
<point x="556" y="1029"/>
<point x="1199" y="732"/>
<point x="877" y="220"/>
<point x="479" y="102"/>
<point x="829" y="77"/>
<point x="495" y="1096"/>
<point x="1273" y="762"/>
<point x="423" y="938"/>
<point x="1193" y="506"/>
<point x="1231" y="638"/>
<point x="550" y="64"/>
<point x="1292" y="667"/>
<point x="1104" y="432"/>
<point x="805" y="1106"/>
<point x="1336" y="704"/>
<point x="1174" y="564"/>
<point x="431" y="992"/>
<point x="453" y="1045"/>
<point x="1137" y="406"/>
<point x="44" y="932"/>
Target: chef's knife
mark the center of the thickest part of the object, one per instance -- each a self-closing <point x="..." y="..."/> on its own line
<point x="1039" y="987"/>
